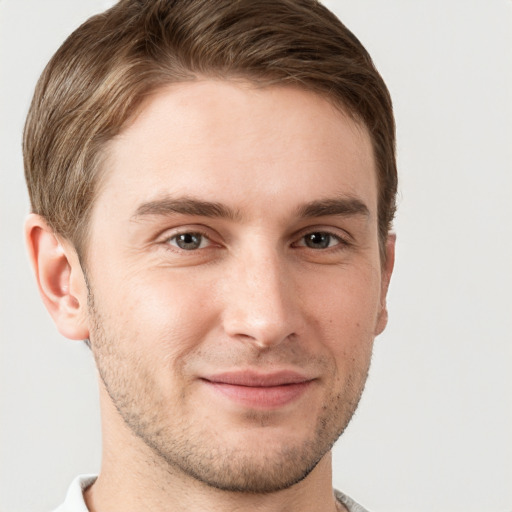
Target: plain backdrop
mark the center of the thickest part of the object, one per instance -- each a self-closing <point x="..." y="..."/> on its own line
<point x="434" y="429"/>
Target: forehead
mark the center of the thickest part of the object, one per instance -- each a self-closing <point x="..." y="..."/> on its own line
<point x="239" y="143"/>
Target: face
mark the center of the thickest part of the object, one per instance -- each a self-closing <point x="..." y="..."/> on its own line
<point x="235" y="285"/>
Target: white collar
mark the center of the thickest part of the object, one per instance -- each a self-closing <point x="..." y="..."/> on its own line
<point x="75" y="497"/>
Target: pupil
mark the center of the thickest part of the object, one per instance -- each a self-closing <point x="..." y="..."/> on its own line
<point x="318" y="240"/>
<point x="189" y="241"/>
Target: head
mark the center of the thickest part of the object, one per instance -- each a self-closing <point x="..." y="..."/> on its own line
<point x="100" y="76"/>
<point x="214" y="184"/>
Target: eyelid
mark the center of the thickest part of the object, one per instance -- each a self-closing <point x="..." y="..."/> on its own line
<point x="204" y="241"/>
<point x="172" y="233"/>
<point x="337" y="239"/>
<point x="344" y="238"/>
<point x="214" y="239"/>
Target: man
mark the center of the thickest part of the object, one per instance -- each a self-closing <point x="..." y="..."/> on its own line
<point x="213" y="185"/>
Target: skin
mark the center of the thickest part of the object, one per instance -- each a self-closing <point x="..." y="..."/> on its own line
<point x="282" y="275"/>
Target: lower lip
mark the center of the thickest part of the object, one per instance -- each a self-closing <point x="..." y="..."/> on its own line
<point x="270" y="397"/>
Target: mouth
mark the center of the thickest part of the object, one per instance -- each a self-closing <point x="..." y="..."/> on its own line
<point x="259" y="390"/>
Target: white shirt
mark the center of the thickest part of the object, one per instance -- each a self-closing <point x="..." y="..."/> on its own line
<point x="75" y="498"/>
<point x="74" y="501"/>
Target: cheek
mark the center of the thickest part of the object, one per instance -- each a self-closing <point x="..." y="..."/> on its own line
<point x="346" y="311"/>
<point x="159" y="315"/>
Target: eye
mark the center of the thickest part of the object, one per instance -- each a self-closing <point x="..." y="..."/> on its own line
<point x="189" y="241"/>
<point x="319" y="240"/>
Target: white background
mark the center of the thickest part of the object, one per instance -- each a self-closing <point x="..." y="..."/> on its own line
<point x="434" y="429"/>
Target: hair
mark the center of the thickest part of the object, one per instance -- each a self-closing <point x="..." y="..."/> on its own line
<point x="101" y="74"/>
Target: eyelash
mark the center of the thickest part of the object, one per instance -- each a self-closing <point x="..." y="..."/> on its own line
<point x="341" y="242"/>
<point x="175" y="247"/>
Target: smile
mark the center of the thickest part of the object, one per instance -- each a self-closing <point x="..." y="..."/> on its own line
<point x="259" y="391"/>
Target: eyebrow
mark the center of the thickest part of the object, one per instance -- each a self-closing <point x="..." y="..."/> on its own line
<point x="343" y="206"/>
<point x="185" y="206"/>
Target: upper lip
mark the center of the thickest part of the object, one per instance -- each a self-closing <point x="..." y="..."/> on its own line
<point x="252" y="378"/>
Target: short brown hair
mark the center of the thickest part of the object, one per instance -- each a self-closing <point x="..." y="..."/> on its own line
<point x="102" y="72"/>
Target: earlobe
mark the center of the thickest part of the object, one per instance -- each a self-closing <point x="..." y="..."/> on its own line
<point x="387" y="270"/>
<point x="59" y="277"/>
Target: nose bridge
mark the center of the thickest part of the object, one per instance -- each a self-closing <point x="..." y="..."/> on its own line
<point x="260" y="303"/>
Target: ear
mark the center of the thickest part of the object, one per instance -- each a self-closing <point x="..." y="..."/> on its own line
<point x="59" y="277"/>
<point x="387" y="270"/>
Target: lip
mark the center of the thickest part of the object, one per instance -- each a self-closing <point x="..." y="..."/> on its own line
<point x="259" y="390"/>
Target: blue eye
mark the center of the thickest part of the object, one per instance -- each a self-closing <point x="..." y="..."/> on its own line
<point x="320" y="240"/>
<point x="189" y="241"/>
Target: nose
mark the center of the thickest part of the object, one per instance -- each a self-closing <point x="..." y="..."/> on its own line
<point x="261" y="303"/>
